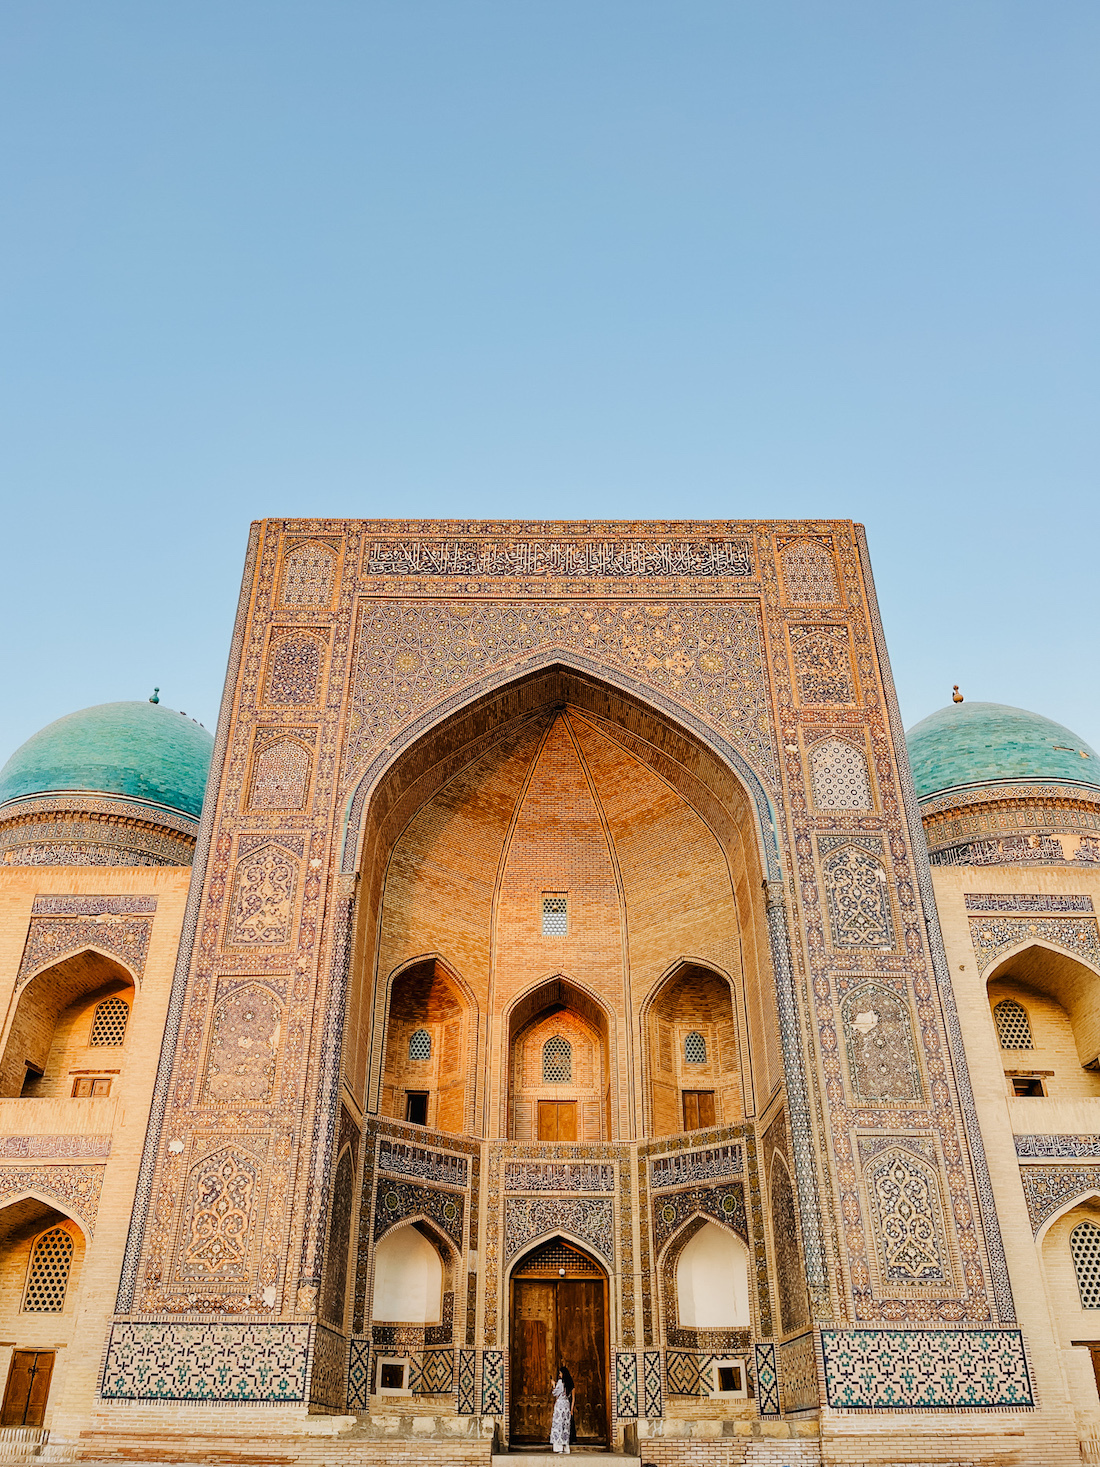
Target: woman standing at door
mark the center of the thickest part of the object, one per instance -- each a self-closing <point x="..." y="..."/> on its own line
<point x="563" y="1410"/>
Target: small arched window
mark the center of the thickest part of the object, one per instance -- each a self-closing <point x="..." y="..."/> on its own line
<point x="695" y="1049"/>
<point x="420" y="1045"/>
<point x="557" y="1061"/>
<point x="48" y="1275"/>
<point x="109" y="1022"/>
<point x="1013" y="1028"/>
<point x="1084" y="1247"/>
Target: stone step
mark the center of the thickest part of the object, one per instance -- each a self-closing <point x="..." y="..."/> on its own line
<point x="521" y="1458"/>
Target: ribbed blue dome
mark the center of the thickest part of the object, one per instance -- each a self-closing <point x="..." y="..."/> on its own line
<point x="979" y="743"/>
<point x="143" y="750"/>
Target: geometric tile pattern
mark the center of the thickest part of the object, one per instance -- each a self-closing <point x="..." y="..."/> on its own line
<point x="359" y="1376"/>
<point x="437" y="1369"/>
<point x="933" y="1370"/>
<point x="1048" y="1188"/>
<point x="688" y="1373"/>
<point x="327" y="1369"/>
<point x="168" y="1361"/>
<point x="492" y="1383"/>
<point x="626" y="1385"/>
<point x="651" y="1381"/>
<point x="467" y="1372"/>
<point x="798" y="1374"/>
<point x="767" y="1380"/>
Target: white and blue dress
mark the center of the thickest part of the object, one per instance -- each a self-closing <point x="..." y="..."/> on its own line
<point x="559" y="1426"/>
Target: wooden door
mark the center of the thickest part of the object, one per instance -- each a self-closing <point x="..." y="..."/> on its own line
<point x="28" y="1388"/>
<point x="698" y="1109"/>
<point x="534" y="1347"/>
<point x="582" y="1345"/>
<point x="557" y="1120"/>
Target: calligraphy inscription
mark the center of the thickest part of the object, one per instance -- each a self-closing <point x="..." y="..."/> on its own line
<point x="558" y="558"/>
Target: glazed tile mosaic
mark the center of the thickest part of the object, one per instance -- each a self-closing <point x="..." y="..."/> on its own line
<point x="652" y="1385"/>
<point x="767" y="1379"/>
<point x="1027" y="902"/>
<point x="1047" y="1189"/>
<point x="172" y="1361"/>
<point x="589" y="1219"/>
<point x="1066" y="1147"/>
<point x="991" y="937"/>
<point x="934" y="1370"/>
<point x="626" y="1385"/>
<point x="492" y="1383"/>
<point x="467" y="1380"/>
<point x="359" y="1375"/>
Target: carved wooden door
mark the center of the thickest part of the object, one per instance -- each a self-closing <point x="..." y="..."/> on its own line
<point x="559" y="1313"/>
<point x="582" y="1346"/>
<point x="534" y="1346"/>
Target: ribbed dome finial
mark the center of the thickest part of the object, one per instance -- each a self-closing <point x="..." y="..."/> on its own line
<point x="156" y="696"/>
<point x="956" y="696"/>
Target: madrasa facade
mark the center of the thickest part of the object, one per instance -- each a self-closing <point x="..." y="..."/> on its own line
<point x="556" y="955"/>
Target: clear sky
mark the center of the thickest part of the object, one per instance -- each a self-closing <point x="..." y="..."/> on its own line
<point x="547" y="258"/>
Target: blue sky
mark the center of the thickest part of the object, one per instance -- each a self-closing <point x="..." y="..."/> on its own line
<point x="547" y="258"/>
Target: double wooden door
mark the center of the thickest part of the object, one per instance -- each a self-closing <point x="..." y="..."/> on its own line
<point x="556" y="1320"/>
<point x="28" y="1388"/>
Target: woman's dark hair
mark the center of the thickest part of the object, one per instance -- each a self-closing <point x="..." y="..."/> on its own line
<point x="566" y="1378"/>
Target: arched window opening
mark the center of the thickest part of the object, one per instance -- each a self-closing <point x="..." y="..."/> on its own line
<point x="427" y="1069"/>
<point x="1046" y="1011"/>
<point x="557" y="1061"/>
<point x="694" y="1057"/>
<point x="1013" y="1028"/>
<point x="695" y="1049"/>
<point x="1084" y="1247"/>
<point x="420" y="1045"/>
<point x="109" y="1023"/>
<point x="64" y="1014"/>
<point x="712" y="1280"/>
<point x="48" y="1275"/>
<point x="559" y="1066"/>
<point x="408" y="1279"/>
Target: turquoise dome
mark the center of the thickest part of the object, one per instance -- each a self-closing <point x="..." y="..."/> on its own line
<point x="143" y="750"/>
<point x="980" y="743"/>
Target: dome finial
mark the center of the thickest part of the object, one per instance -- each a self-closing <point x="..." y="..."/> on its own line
<point x="156" y="695"/>
<point x="956" y="696"/>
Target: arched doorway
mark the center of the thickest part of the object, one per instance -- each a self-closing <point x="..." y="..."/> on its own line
<point x="558" y="1313"/>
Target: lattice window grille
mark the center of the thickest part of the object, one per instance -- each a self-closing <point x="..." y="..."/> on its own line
<point x="109" y="1022"/>
<point x="48" y="1275"/>
<point x="1013" y="1028"/>
<point x="695" y="1049"/>
<point x="555" y="916"/>
<point x="1084" y="1247"/>
<point x="557" y="1061"/>
<point x="420" y="1045"/>
<point x="838" y="776"/>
